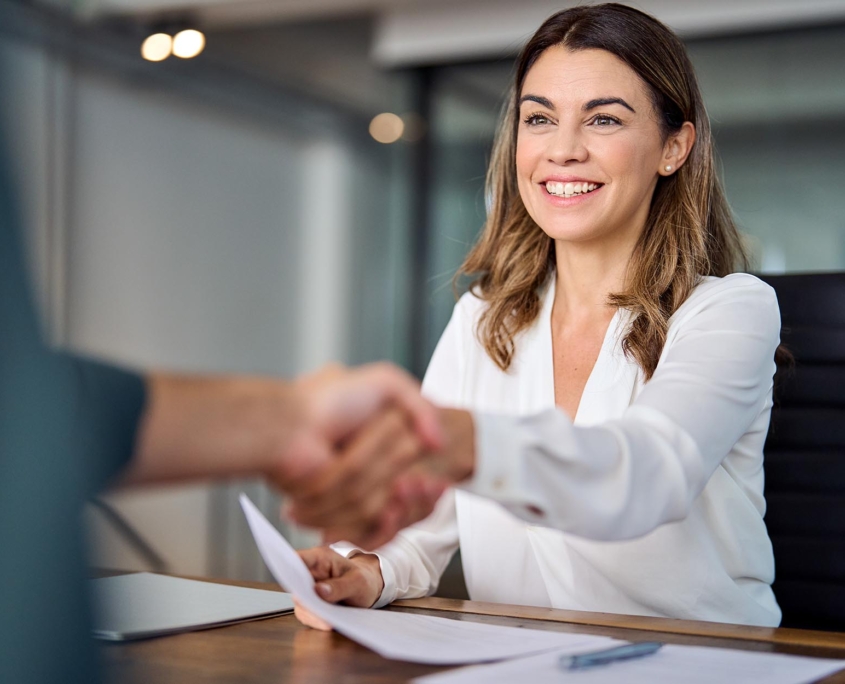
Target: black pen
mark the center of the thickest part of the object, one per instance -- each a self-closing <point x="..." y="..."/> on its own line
<point x="609" y="655"/>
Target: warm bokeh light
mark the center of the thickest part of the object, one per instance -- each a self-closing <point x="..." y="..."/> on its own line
<point x="188" y="43"/>
<point x="387" y="127"/>
<point x="157" y="47"/>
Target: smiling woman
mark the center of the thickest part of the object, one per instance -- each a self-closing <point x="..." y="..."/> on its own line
<point x="614" y="92"/>
<point x="587" y="166"/>
<point x="619" y="370"/>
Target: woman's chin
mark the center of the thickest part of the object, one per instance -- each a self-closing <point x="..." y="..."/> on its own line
<point x="574" y="234"/>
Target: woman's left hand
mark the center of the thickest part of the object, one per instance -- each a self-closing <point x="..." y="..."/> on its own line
<point x="354" y="581"/>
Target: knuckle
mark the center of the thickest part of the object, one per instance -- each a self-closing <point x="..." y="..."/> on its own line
<point x="356" y="492"/>
<point x="412" y="446"/>
<point x="394" y="419"/>
<point x="381" y="371"/>
<point x="372" y="507"/>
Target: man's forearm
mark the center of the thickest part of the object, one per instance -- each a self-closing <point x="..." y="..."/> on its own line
<point x="198" y="427"/>
<point x="293" y="433"/>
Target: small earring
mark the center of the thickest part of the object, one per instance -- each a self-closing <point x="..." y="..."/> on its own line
<point x="668" y="168"/>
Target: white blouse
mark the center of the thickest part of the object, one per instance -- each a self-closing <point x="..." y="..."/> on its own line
<point x="649" y="503"/>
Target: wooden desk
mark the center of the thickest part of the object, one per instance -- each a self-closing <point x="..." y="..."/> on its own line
<point x="280" y="650"/>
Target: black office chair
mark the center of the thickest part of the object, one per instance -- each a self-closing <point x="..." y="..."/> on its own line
<point x="805" y="453"/>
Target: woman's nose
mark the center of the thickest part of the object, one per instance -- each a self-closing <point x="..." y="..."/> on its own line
<point x="567" y="146"/>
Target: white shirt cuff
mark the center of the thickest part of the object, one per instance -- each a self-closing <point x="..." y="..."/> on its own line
<point x="502" y="444"/>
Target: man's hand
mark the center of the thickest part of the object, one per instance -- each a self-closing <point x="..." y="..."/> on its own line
<point x="336" y="403"/>
<point x="340" y="401"/>
<point x="369" y="490"/>
<point x="384" y="480"/>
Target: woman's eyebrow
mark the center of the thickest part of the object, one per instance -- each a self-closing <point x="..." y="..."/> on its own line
<point x="539" y="99"/>
<point x="602" y="101"/>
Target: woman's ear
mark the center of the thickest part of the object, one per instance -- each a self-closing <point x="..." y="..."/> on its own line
<point x="677" y="149"/>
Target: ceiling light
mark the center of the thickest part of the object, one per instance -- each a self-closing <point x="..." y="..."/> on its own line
<point x="157" y="47"/>
<point x="386" y="128"/>
<point x="188" y="43"/>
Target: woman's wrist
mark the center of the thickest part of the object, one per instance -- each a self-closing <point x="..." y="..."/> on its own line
<point x="456" y="460"/>
<point x="370" y="566"/>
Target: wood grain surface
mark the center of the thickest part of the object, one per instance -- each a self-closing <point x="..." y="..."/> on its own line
<point x="279" y="649"/>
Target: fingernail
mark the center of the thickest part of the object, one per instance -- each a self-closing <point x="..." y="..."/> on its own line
<point x="324" y="589"/>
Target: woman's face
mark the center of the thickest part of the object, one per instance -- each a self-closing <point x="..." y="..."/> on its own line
<point x="589" y="146"/>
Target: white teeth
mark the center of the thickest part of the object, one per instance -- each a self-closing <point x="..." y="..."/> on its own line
<point x="569" y="189"/>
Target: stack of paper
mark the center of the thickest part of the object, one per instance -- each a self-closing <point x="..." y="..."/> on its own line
<point x="403" y="636"/>
<point x="442" y="641"/>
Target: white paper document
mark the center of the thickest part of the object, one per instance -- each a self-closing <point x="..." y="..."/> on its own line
<point x="671" y="664"/>
<point x="404" y="636"/>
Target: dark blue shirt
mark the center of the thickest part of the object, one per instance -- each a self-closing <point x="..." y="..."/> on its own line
<point x="66" y="426"/>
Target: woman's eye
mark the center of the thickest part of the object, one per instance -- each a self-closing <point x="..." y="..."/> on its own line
<point x="536" y="119"/>
<point x="604" y="120"/>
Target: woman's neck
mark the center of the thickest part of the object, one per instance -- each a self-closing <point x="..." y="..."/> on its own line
<point x="586" y="274"/>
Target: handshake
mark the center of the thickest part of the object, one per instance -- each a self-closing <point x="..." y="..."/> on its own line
<point x="359" y="452"/>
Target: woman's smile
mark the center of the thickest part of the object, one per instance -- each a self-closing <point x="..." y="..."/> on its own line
<point x="570" y="191"/>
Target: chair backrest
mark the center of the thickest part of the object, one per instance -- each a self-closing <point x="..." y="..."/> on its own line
<point x="805" y="453"/>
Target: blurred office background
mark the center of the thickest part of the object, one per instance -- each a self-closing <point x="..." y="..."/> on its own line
<point x="234" y="213"/>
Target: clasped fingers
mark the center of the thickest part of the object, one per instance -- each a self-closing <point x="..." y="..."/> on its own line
<point x="357" y="485"/>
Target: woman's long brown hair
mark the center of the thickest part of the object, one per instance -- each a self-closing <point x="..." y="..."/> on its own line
<point x="689" y="232"/>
